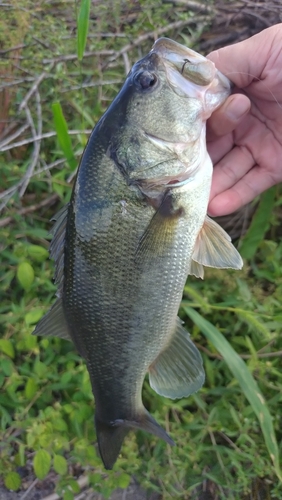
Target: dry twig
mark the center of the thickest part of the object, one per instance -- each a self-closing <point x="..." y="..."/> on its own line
<point x="47" y="135"/>
<point x="34" y="88"/>
<point x="275" y="354"/>
<point x="36" y="150"/>
<point x="25" y="495"/>
<point x="73" y="57"/>
<point x="32" y="208"/>
<point x="13" y="136"/>
<point x="151" y="34"/>
<point x="82" y="482"/>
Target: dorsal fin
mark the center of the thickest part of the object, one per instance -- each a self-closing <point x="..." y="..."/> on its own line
<point x="57" y="245"/>
<point x="54" y="322"/>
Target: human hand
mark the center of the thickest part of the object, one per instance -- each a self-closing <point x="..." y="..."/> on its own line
<point x="244" y="135"/>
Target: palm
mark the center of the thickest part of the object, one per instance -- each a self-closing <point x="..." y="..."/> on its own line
<point x="248" y="159"/>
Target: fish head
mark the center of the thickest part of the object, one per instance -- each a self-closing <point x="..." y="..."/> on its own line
<point x="161" y="114"/>
<point x="192" y="75"/>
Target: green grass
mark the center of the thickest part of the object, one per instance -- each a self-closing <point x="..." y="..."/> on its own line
<point x="225" y="434"/>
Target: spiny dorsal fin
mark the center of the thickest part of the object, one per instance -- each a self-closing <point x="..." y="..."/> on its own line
<point x="57" y="245"/>
<point x="213" y="248"/>
<point x="53" y="324"/>
<point x="178" y="370"/>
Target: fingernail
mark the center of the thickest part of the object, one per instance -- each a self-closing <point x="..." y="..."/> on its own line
<point x="238" y="107"/>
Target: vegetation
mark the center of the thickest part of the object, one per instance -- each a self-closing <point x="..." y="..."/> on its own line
<point x="55" y="84"/>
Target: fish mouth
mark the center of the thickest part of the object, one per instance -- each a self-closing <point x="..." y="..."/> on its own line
<point x="186" y="61"/>
<point x="188" y="72"/>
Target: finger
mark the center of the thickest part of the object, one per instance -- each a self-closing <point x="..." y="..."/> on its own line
<point x="237" y="61"/>
<point x="226" y="118"/>
<point x="220" y="147"/>
<point x="254" y="183"/>
<point x="231" y="169"/>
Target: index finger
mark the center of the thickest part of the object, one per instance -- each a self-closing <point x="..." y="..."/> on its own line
<point x="239" y="62"/>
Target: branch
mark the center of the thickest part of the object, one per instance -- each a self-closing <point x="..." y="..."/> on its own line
<point x="13" y="136"/>
<point x="33" y="89"/>
<point x="36" y="150"/>
<point x="152" y="34"/>
<point x="276" y="354"/>
<point x="73" y="57"/>
<point x="82" y="482"/>
<point x="39" y="138"/>
<point x="32" y="208"/>
<point x="17" y="47"/>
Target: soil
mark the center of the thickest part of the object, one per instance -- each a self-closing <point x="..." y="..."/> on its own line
<point x="44" y="490"/>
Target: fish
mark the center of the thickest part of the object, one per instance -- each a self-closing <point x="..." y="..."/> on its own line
<point x="135" y="227"/>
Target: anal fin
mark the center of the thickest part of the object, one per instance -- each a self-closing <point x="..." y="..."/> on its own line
<point x="178" y="370"/>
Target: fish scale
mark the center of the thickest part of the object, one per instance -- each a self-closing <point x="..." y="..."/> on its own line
<point x="135" y="227"/>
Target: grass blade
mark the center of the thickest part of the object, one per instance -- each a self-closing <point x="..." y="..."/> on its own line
<point x="246" y="381"/>
<point x="82" y="27"/>
<point x="259" y="225"/>
<point x="62" y="133"/>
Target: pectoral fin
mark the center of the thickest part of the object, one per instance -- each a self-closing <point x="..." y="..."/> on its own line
<point x="196" y="269"/>
<point x="53" y="324"/>
<point x="178" y="370"/>
<point x="213" y="248"/>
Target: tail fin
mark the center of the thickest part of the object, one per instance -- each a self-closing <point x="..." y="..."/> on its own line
<point x="110" y="438"/>
<point x="111" y="435"/>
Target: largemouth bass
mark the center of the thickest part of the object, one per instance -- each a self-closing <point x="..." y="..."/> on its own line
<point x="135" y="228"/>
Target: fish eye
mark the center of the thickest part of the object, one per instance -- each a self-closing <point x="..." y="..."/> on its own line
<point x="145" y="79"/>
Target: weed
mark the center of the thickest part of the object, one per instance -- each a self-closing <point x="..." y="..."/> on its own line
<point x="225" y="434"/>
